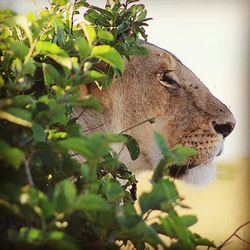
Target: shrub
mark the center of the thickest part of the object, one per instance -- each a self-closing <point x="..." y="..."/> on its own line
<point x="48" y="200"/>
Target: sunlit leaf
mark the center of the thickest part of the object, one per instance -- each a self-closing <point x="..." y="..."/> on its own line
<point x="55" y="52"/>
<point x="109" y="55"/>
<point x="82" y="46"/>
<point x="89" y="32"/>
<point x="105" y="35"/>
<point x="11" y="118"/>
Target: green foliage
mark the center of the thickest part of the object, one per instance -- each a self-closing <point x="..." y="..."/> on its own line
<point x="48" y="199"/>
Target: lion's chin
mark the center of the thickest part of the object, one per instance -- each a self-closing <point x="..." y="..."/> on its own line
<point x="200" y="175"/>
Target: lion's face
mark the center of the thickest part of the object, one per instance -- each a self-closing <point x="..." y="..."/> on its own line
<point x="159" y="86"/>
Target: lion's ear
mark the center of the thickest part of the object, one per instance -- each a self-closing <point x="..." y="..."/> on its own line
<point x="170" y="62"/>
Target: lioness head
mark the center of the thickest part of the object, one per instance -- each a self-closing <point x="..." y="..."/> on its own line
<point x="159" y="86"/>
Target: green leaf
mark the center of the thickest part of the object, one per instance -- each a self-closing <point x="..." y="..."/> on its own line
<point x="148" y="234"/>
<point x="21" y="113"/>
<point x="189" y="220"/>
<point x="90" y="102"/>
<point x="142" y="15"/>
<point x="136" y="51"/>
<point x="54" y="52"/>
<point x="104" y="12"/>
<point x="79" y="145"/>
<point x="89" y="32"/>
<point x="113" y="191"/>
<point x="182" y="153"/>
<point x="51" y="75"/>
<point x="30" y="235"/>
<point x="23" y="22"/>
<point x="162" y="197"/>
<point x="105" y="35"/>
<point x="94" y="17"/>
<point x="60" y="2"/>
<point x="60" y="240"/>
<point x="93" y="75"/>
<point x="203" y="242"/>
<point x="39" y="202"/>
<point x="82" y="47"/>
<point x="133" y="147"/>
<point x="91" y="202"/>
<point x="29" y="67"/>
<point x="161" y="144"/>
<point x="137" y="8"/>
<point x="20" y="49"/>
<point x="38" y="132"/>
<point x="161" y="168"/>
<point x="1" y="82"/>
<point x="12" y="156"/>
<point x="109" y="55"/>
<point x="17" y="65"/>
<point x="64" y="196"/>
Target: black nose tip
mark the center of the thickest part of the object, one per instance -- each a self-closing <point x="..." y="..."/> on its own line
<point x="224" y="129"/>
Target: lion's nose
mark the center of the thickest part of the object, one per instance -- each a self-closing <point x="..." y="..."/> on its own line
<point x="224" y="129"/>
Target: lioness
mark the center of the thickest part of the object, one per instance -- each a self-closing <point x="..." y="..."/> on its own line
<point x="159" y="86"/>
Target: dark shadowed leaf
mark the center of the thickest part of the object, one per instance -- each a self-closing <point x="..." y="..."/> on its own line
<point x="133" y="147"/>
<point x="51" y="75"/>
<point x="38" y="132"/>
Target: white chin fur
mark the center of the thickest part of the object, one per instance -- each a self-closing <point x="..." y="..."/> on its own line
<point x="201" y="175"/>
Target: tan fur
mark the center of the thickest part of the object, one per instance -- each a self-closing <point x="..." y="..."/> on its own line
<point x="183" y="116"/>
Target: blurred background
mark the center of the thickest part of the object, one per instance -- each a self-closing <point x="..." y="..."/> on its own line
<point x="212" y="39"/>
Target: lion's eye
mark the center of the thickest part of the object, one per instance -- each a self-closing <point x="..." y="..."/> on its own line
<point x="167" y="80"/>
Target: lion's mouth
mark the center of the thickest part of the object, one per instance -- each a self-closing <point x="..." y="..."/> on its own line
<point x="177" y="171"/>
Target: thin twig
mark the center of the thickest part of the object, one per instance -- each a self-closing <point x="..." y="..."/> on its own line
<point x="232" y="235"/>
<point x="72" y="16"/>
<point x="84" y="110"/>
<point x="89" y="129"/>
<point x="247" y="242"/>
<point x="27" y="170"/>
<point x="138" y="124"/>
<point x="148" y="213"/>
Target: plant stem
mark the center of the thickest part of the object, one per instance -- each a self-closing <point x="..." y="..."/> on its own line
<point x="27" y="170"/>
<point x="138" y="124"/>
<point x="232" y="235"/>
<point x="72" y="17"/>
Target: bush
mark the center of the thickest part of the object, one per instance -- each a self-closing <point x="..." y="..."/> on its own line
<point x="48" y="200"/>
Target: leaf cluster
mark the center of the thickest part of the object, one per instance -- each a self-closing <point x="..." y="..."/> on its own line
<point x="48" y="198"/>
